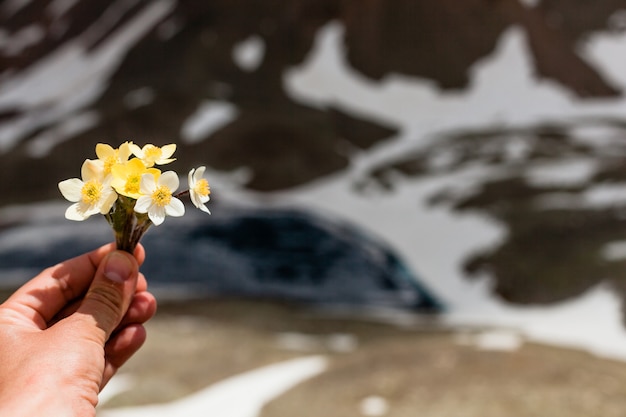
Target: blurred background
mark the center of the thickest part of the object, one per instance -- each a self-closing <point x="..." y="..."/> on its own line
<point x="417" y="207"/>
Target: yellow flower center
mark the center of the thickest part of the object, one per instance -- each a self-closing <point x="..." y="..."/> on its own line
<point x="91" y="192"/>
<point x="162" y="196"/>
<point x="132" y="184"/>
<point x="109" y="161"/>
<point x="152" y="153"/>
<point x="202" y="188"/>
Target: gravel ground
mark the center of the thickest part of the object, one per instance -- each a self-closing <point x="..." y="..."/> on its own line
<point x="375" y="368"/>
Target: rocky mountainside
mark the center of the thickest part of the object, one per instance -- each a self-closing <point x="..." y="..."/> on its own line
<point x="210" y="76"/>
<point x="74" y="73"/>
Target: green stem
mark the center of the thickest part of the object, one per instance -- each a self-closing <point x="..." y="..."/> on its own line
<point x="128" y="226"/>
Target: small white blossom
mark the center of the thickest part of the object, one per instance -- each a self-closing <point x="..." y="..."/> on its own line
<point x="157" y="199"/>
<point x="91" y="195"/>
<point x="199" y="189"/>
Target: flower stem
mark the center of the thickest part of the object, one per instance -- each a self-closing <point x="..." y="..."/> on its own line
<point x="128" y="226"/>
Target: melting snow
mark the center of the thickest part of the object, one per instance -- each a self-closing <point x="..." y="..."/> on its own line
<point x="78" y="77"/>
<point x="248" y="54"/>
<point x="210" y="116"/>
<point x="224" y="398"/>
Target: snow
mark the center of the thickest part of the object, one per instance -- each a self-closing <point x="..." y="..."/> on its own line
<point x="210" y="116"/>
<point x="26" y="37"/>
<point x="139" y="97"/>
<point x="614" y="251"/>
<point x="374" y="406"/>
<point x="249" y="53"/>
<point x="40" y="145"/>
<point x="563" y="173"/>
<point x="435" y="241"/>
<point x="503" y="340"/>
<point x="337" y="342"/>
<point x="503" y="90"/>
<point x="223" y="399"/>
<point x="79" y="76"/>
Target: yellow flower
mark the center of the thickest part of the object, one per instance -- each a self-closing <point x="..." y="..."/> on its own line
<point x="199" y="189"/>
<point x="157" y="199"/>
<point x="127" y="177"/>
<point x="91" y="195"/>
<point x="151" y="155"/>
<point x="108" y="156"/>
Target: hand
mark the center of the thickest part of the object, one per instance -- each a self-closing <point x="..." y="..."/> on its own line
<point x="66" y="332"/>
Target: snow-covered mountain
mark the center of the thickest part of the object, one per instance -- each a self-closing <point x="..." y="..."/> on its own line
<point x="479" y="138"/>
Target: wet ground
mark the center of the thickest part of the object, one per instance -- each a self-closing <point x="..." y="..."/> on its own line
<point x="384" y="368"/>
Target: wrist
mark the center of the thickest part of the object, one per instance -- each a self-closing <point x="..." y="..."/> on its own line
<point x="44" y="401"/>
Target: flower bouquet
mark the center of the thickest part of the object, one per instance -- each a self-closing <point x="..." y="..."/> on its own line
<point x="126" y="187"/>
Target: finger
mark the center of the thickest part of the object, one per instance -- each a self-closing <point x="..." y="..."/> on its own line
<point x="109" y="296"/>
<point x="71" y="308"/>
<point x="142" y="308"/>
<point x="140" y="254"/>
<point x="41" y="298"/>
<point x="120" y="348"/>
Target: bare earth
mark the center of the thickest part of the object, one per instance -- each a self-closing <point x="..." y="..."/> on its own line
<point x="421" y="368"/>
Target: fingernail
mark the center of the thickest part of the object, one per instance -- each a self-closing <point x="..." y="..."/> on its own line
<point x="118" y="268"/>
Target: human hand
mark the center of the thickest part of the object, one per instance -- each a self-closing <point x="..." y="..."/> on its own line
<point x="66" y="332"/>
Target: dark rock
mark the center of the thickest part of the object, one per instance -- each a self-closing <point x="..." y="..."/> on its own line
<point x="280" y="254"/>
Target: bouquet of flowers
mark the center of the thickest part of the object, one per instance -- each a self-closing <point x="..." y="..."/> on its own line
<point x="126" y="187"/>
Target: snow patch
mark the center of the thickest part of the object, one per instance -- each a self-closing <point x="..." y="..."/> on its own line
<point x="224" y="398"/>
<point x="41" y="145"/>
<point x="139" y="97"/>
<point x="248" y="54"/>
<point x="80" y="77"/>
<point x="503" y="340"/>
<point x="15" y="44"/>
<point x="210" y="116"/>
<point x="336" y="342"/>
<point x="374" y="406"/>
<point x="561" y="173"/>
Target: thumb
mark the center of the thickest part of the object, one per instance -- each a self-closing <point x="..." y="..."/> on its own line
<point x="111" y="292"/>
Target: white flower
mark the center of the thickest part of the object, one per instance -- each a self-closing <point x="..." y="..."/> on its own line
<point x="157" y="199"/>
<point x="91" y="195"/>
<point x="151" y="155"/>
<point x="199" y="189"/>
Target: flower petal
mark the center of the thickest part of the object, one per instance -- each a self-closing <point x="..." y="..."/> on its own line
<point x="195" y="198"/>
<point x="191" y="181"/>
<point x="72" y="213"/>
<point x="175" y="208"/>
<point x="79" y="211"/>
<point x="148" y="184"/>
<point x="107" y="200"/>
<point x="199" y="201"/>
<point x="71" y="189"/>
<point x="136" y="150"/>
<point x="199" y="173"/>
<point x="125" y="151"/>
<point x="203" y="208"/>
<point x="156" y="214"/>
<point x="167" y="151"/>
<point x="103" y="151"/>
<point x="91" y="170"/>
<point x="143" y="204"/>
<point x="170" y="180"/>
